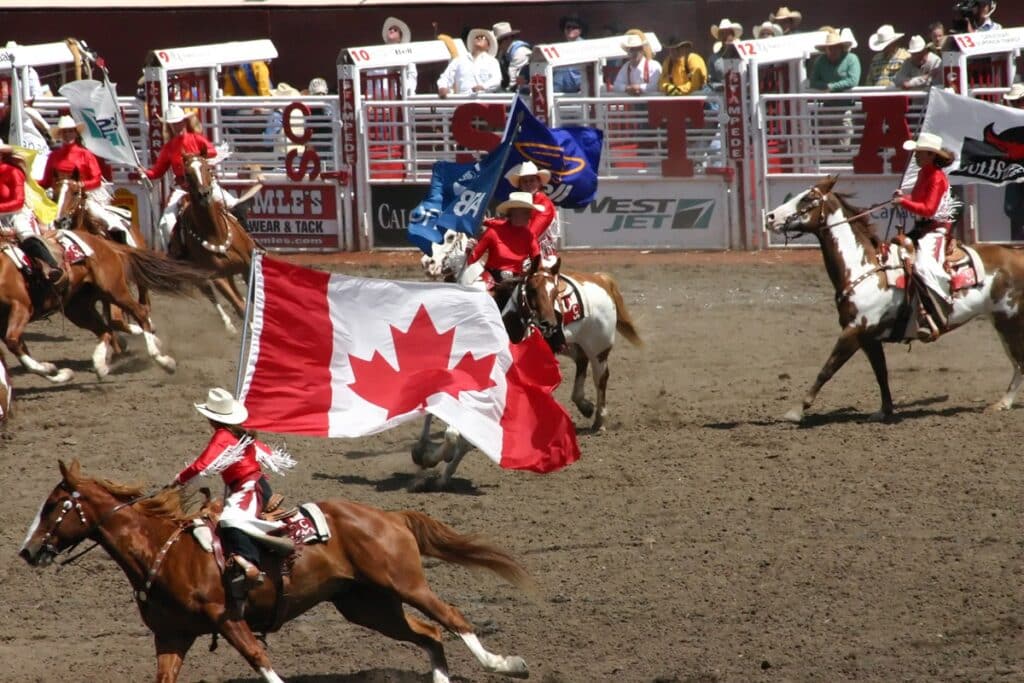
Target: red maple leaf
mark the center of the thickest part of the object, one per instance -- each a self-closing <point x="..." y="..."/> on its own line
<point x="423" y="355"/>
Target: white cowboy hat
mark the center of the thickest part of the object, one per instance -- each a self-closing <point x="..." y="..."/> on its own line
<point x="784" y="13"/>
<point x="400" y="25"/>
<point x="773" y="28"/>
<point x="846" y="34"/>
<point x="176" y="114"/>
<point x="727" y="25"/>
<point x="631" y="40"/>
<point x="222" y="407"/>
<point x="492" y="44"/>
<point x="885" y="35"/>
<point x="527" y="168"/>
<point x="284" y="90"/>
<point x="928" y="142"/>
<point x="65" y="122"/>
<point x="518" y="200"/>
<point x="834" y="38"/>
<point x="1016" y="92"/>
<point x="503" y="29"/>
<point x="916" y="45"/>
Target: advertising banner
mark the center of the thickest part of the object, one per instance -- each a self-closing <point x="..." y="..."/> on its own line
<point x="691" y="214"/>
<point x="291" y="216"/>
<point x="391" y="206"/>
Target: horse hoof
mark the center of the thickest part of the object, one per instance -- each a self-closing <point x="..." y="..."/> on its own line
<point x="167" y="363"/>
<point x="48" y="368"/>
<point x="101" y="371"/>
<point x="424" y="481"/>
<point x="999" y="406"/>
<point x="418" y="450"/>
<point x="62" y="376"/>
<point x="795" y="415"/>
<point x="136" y="329"/>
<point x="586" y="407"/>
<point x="515" y="667"/>
<point x="880" y="416"/>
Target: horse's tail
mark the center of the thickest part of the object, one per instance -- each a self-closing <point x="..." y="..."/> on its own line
<point x="624" y="324"/>
<point x="161" y="273"/>
<point x="439" y="540"/>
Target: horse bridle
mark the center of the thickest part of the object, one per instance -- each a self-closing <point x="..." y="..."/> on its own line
<point x="817" y="202"/>
<point x="64" y="221"/>
<point x="73" y="502"/>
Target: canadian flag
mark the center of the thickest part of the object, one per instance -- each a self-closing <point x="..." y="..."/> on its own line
<point x="338" y="356"/>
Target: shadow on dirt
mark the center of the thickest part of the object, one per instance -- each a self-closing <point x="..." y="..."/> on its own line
<point x="368" y="676"/>
<point x="401" y="481"/>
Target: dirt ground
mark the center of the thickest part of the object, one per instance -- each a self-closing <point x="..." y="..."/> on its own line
<point x="700" y="538"/>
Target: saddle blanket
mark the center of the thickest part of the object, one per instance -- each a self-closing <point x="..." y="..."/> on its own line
<point x="965" y="268"/>
<point x="306" y="525"/>
<point x="571" y="301"/>
<point x="17" y="256"/>
<point x="75" y="248"/>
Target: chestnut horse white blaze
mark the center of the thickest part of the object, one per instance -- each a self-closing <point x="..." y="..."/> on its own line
<point x="872" y="311"/>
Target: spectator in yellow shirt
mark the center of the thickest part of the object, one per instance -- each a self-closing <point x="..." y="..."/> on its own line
<point x="251" y="79"/>
<point x="684" y="72"/>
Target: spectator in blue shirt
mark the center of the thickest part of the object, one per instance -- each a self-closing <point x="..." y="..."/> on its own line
<point x="569" y="79"/>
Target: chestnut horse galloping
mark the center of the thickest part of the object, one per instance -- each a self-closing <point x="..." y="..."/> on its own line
<point x="211" y="237"/>
<point x="73" y="214"/>
<point x="368" y="569"/>
<point x="102" y="276"/>
<point x="871" y="311"/>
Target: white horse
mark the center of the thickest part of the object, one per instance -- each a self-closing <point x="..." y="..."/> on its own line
<point x="590" y="307"/>
<point x="870" y="294"/>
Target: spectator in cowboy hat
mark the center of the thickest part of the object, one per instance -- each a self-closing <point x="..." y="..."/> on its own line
<point x="514" y="56"/>
<point x="922" y="68"/>
<point x="768" y="30"/>
<point x="786" y="18"/>
<point x="684" y="71"/>
<point x="274" y="134"/>
<point x="395" y="31"/>
<point x="726" y="32"/>
<point x="640" y="73"/>
<point x="1013" y="199"/>
<point x="889" y="57"/>
<point x="837" y="69"/>
<point x="317" y="86"/>
<point x="476" y="72"/>
<point x="569" y="79"/>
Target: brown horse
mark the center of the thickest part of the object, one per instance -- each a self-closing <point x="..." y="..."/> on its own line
<point x="211" y="237"/>
<point x="103" y="276"/>
<point x="589" y="332"/>
<point x="73" y="214"/>
<point x="872" y="311"/>
<point x="368" y="569"/>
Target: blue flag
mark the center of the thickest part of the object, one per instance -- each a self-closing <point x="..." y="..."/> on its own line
<point x="460" y="194"/>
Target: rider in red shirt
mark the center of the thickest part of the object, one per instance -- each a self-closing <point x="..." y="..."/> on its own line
<point x="237" y="456"/>
<point x="185" y="138"/>
<point x="16" y="213"/>
<point x="508" y="243"/>
<point x="931" y="203"/>
<point x="526" y="177"/>
<point x="72" y="157"/>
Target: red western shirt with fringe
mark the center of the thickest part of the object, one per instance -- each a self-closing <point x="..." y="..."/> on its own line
<point x="542" y="218"/>
<point x="12" y="188"/>
<point x="65" y="159"/>
<point x="507" y="246"/>
<point x="925" y="198"/>
<point x="171" y="154"/>
<point x="234" y="474"/>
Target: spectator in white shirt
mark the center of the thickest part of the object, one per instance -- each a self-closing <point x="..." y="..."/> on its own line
<point x="397" y="31"/>
<point x="640" y="74"/>
<point x="476" y="72"/>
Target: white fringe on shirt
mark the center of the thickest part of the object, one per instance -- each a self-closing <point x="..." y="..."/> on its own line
<point x="228" y="457"/>
<point x="277" y="459"/>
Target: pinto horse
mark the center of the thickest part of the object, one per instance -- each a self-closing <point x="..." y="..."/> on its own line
<point x="872" y="311"/>
<point x="6" y="391"/>
<point x="211" y="237"/>
<point x="369" y="567"/>
<point x="73" y="214"/>
<point x="102" y="276"/>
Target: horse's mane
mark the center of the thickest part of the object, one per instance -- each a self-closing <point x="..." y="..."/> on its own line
<point x="862" y="225"/>
<point x="168" y="503"/>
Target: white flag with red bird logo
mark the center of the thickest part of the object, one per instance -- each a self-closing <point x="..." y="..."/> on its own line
<point x="339" y="356"/>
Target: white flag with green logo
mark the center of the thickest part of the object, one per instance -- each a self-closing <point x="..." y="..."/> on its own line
<point x="105" y="135"/>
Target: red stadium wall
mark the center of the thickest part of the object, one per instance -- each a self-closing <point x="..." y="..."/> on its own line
<point x="308" y="39"/>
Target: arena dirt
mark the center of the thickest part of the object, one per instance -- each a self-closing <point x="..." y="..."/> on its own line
<point x="700" y="538"/>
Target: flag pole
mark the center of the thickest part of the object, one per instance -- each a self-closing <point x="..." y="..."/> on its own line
<point x="249" y="296"/>
<point x="511" y="133"/>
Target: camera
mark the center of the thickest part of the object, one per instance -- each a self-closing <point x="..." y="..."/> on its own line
<point x="965" y="8"/>
<point x="964" y="15"/>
